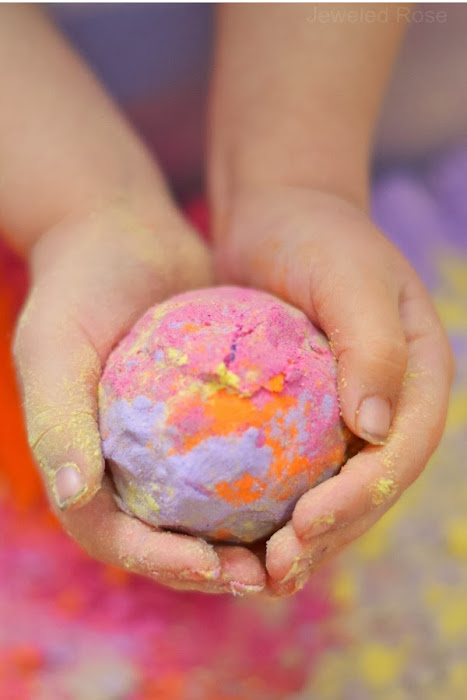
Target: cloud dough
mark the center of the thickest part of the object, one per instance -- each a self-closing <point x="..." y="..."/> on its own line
<point x="218" y="411"/>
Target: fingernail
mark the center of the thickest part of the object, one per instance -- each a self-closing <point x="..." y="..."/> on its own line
<point x="302" y="580"/>
<point x="299" y="565"/>
<point x="210" y="574"/>
<point x="238" y="588"/>
<point x="374" y="419"/>
<point x="199" y="575"/>
<point x="297" y="582"/>
<point x="69" y="485"/>
<point x="319" y="526"/>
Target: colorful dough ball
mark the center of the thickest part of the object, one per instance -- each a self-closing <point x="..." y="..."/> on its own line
<point x="218" y="411"/>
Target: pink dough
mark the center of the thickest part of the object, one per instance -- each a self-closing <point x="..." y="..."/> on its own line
<point x="218" y="411"/>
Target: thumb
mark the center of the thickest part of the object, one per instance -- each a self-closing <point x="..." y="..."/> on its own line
<point x="361" y="318"/>
<point x="59" y="371"/>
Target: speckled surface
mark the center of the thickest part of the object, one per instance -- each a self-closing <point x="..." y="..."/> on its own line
<point x="218" y="411"/>
<point x="388" y="621"/>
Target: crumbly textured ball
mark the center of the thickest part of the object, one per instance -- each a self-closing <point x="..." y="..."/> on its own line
<point x="218" y="411"/>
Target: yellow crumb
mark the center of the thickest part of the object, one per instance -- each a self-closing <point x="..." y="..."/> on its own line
<point x="384" y="490"/>
<point x="177" y="357"/>
<point x="379" y="665"/>
<point x="456" y="536"/>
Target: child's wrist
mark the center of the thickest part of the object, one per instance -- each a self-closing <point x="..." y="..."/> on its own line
<point x="307" y="166"/>
<point x="149" y="205"/>
<point x="294" y="102"/>
<point x="255" y="166"/>
<point x="150" y="229"/>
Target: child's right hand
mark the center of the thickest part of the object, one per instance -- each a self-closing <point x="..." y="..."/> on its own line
<point x="294" y="105"/>
<point x="91" y="279"/>
<point x="323" y="254"/>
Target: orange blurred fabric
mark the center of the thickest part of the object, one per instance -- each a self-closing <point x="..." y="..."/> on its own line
<point x="20" y="483"/>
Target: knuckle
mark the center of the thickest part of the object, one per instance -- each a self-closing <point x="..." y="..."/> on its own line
<point x="324" y="285"/>
<point x="389" y="351"/>
<point x="49" y="424"/>
<point x="388" y="355"/>
<point x="389" y="347"/>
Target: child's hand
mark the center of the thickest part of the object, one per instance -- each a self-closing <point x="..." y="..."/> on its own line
<point x="72" y="167"/>
<point x="293" y="108"/>
<point x="322" y="254"/>
<point x="91" y="279"/>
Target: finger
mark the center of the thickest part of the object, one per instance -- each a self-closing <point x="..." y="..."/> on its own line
<point x="293" y="573"/>
<point x="241" y="570"/>
<point x="241" y="573"/>
<point x="59" y="371"/>
<point x="290" y="563"/>
<point x="340" y="509"/>
<point x="341" y="275"/>
<point x="172" y="559"/>
<point x="360" y="316"/>
<point x="112" y="536"/>
<point x="286" y="559"/>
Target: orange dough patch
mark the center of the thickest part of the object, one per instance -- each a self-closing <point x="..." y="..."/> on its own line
<point x="246" y="489"/>
<point x="229" y="413"/>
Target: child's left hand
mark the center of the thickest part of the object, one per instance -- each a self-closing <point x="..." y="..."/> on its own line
<point x="92" y="277"/>
<point x="322" y="254"/>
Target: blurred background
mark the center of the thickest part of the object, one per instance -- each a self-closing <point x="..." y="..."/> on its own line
<point x="388" y="619"/>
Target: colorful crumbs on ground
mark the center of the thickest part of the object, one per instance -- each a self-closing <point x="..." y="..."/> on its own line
<point x="388" y="622"/>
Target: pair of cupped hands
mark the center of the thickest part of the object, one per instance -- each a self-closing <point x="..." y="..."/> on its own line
<point x="93" y="276"/>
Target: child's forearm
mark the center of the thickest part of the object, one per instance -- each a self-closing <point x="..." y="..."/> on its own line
<point x="63" y="145"/>
<point x="296" y="93"/>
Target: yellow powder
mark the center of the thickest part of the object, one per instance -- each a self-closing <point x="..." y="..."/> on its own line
<point x="384" y="490"/>
<point x="457" y="677"/>
<point x="344" y="588"/>
<point x="452" y="617"/>
<point x="379" y="665"/>
<point x="177" y="357"/>
<point x="226" y="377"/>
<point x="327" y="519"/>
<point x="456" y="536"/>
